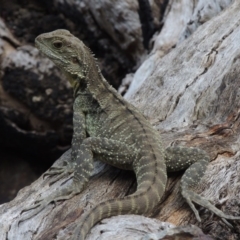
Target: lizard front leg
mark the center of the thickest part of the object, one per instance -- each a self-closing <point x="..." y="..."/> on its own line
<point x="107" y="149"/>
<point x="82" y="169"/>
<point x="69" y="167"/>
<point x="79" y="135"/>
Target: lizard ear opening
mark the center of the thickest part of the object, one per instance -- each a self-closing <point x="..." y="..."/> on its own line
<point x="74" y="76"/>
<point x="58" y="44"/>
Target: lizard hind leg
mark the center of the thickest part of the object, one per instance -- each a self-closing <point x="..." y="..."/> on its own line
<point x="196" y="161"/>
<point x="190" y="178"/>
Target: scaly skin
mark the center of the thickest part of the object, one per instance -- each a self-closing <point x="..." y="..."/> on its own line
<point x="112" y="130"/>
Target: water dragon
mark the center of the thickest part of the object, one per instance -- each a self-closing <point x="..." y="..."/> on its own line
<point x="110" y="129"/>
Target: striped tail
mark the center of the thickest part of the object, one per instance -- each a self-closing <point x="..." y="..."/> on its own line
<point x="151" y="178"/>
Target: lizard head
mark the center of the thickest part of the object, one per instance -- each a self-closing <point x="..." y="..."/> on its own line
<point x="67" y="52"/>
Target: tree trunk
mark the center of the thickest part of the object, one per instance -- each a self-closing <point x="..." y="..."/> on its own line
<point x="190" y="93"/>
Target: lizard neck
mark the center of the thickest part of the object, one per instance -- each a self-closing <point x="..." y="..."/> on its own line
<point x="99" y="88"/>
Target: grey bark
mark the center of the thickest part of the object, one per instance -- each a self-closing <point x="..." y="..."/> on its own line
<point x="191" y="96"/>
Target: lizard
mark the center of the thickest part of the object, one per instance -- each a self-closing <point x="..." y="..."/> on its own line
<point x="112" y="130"/>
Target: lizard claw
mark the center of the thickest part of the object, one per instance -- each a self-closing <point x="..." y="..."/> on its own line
<point x="56" y="170"/>
<point x="60" y="176"/>
<point x="53" y="172"/>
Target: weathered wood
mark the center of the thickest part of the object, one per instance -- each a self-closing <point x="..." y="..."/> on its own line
<point x="192" y="98"/>
<point x="181" y="19"/>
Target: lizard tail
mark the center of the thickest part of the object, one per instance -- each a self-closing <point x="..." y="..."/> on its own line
<point x="151" y="186"/>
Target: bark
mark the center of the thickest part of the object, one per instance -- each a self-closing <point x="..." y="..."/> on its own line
<point x="191" y="96"/>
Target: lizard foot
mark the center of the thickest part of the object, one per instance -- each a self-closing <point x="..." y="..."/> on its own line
<point x="37" y="207"/>
<point x="191" y="197"/>
<point x="42" y="203"/>
<point x="62" y="171"/>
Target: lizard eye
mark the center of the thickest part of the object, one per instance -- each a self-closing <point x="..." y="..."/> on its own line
<point x="57" y="44"/>
<point x="75" y="60"/>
